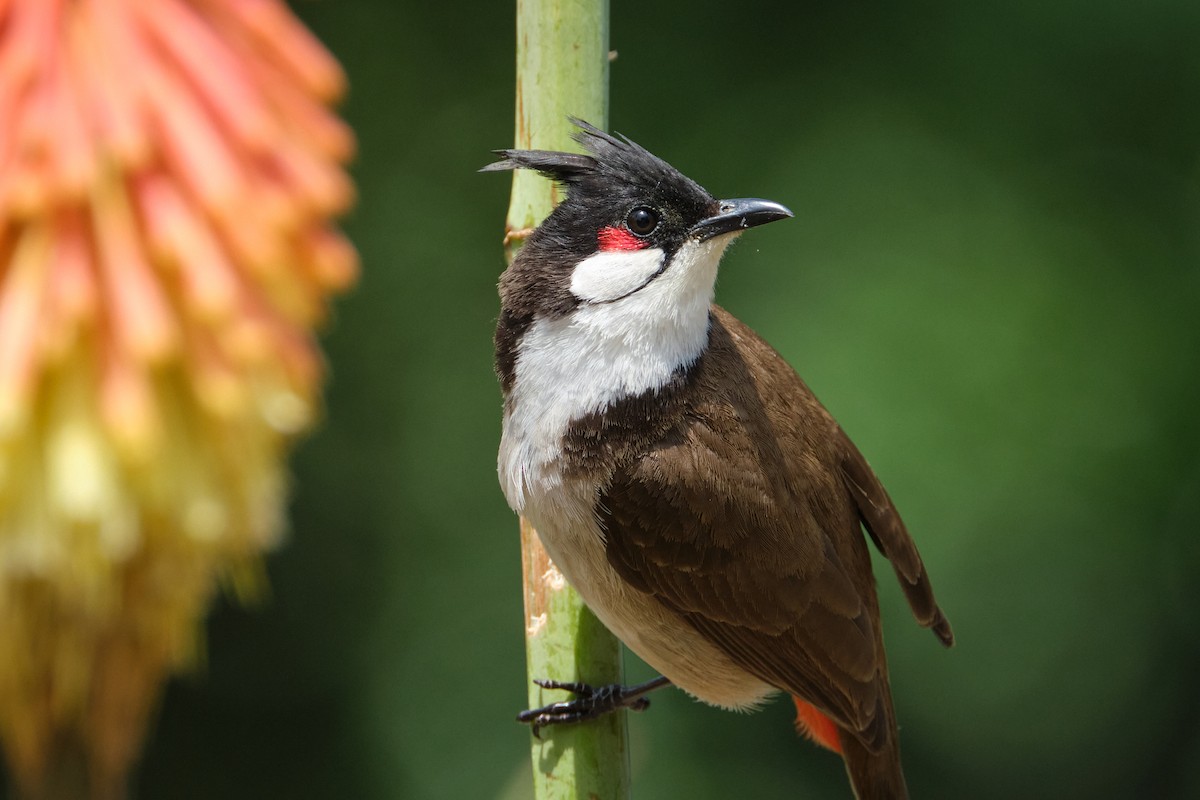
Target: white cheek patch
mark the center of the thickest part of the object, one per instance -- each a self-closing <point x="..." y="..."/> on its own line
<point x="607" y="276"/>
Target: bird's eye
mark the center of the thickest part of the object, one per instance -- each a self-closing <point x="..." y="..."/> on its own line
<point x="642" y="221"/>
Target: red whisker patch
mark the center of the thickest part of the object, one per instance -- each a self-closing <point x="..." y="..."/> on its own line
<point x="619" y="239"/>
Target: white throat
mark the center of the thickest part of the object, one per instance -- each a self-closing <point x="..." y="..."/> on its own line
<point x="614" y="345"/>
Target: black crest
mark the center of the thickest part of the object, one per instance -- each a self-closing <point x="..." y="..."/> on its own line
<point x="614" y="161"/>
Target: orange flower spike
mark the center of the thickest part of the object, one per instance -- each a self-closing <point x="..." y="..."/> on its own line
<point x="167" y="169"/>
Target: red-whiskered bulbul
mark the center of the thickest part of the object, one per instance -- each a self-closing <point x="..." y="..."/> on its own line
<point x="681" y="475"/>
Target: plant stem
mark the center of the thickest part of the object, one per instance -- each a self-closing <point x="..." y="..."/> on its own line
<point x="562" y="71"/>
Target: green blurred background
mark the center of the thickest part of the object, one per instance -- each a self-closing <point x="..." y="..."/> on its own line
<point x="992" y="281"/>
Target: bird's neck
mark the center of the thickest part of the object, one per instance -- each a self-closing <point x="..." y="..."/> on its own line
<point x="602" y="352"/>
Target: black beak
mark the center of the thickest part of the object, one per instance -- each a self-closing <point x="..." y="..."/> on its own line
<point x="737" y="215"/>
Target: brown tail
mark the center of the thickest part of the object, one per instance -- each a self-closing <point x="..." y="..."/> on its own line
<point x="874" y="776"/>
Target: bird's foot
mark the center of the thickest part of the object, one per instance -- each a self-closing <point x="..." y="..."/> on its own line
<point x="590" y="702"/>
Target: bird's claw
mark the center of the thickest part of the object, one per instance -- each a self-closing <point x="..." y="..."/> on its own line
<point x="590" y="702"/>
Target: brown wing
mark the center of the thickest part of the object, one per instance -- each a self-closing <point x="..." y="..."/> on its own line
<point x="739" y="521"/>
<point x="745" y="520"/>
<point x="785" y="610"/>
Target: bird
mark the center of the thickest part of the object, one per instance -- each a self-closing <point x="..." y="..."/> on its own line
<point x="681" y="475"/>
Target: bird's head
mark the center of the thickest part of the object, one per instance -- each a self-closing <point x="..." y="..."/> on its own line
<point x="634" y="232"/>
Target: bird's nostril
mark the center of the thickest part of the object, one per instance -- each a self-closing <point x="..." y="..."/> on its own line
<point x="726" y="207"/>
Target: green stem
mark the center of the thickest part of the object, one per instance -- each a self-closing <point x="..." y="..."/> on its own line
<point x="562" y="71"/>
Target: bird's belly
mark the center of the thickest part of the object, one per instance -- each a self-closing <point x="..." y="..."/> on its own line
<point x="566" y="523"/>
